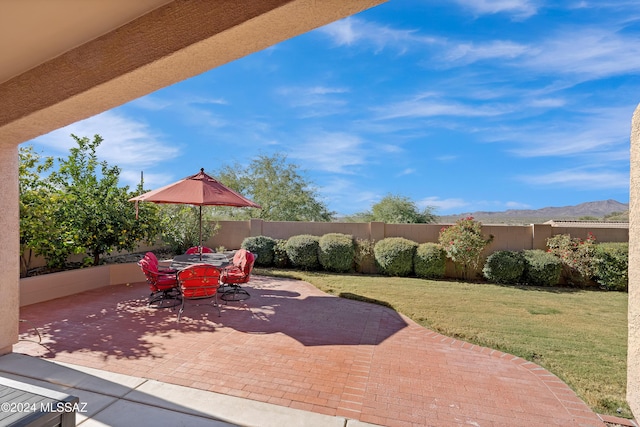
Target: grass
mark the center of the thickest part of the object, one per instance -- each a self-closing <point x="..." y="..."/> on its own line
<point x="579" y="335"/>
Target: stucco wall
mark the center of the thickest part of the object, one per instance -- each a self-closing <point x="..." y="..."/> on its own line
<point x="9" y="247"/>
<point x="58" y="285"/>
<point x="506" y="237"/>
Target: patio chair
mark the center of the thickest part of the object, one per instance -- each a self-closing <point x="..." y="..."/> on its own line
<point x="153" y="260"/>
<point x="199" y="282"/>
<point x="236" y="274"/>
<point x="164" y="286"/>
<point x="196" y="250"/>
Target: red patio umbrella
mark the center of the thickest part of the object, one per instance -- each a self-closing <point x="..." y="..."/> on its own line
<point x="199" y="190"/>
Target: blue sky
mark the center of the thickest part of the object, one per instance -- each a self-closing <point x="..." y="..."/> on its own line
<point x="462" y="105"/>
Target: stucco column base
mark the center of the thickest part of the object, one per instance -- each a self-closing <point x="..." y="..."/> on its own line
<point x="9" y="247"/>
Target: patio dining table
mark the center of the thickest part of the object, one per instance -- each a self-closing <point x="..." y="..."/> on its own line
<point x="216" y="259"/>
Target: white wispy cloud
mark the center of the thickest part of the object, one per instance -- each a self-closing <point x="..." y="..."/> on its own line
<point x="337" y="152"/>
<point x="430" y="105"/>
<point x="519" y="9"/>
<point x="590" y="53"/>
<point x="315" y="101"/>
<point x="470" y="52"/>
<point x="128" y="143"/>
<point x="351" y="31"/>
<point x="597" y="130"/>
<point x="581" y="179"/>
<point x="517" y="205"/>
<point x="442" y="204"/>
<point x="407" y="171"/>
<point x="347" y="196"/>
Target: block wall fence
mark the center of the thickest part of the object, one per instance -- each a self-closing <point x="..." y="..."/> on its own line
<point x="506" y="237"/>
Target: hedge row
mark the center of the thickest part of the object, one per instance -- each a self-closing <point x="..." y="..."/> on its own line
<point x="396" y="256"/>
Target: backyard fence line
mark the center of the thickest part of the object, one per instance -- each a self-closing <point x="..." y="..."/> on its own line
<point x="505" y="237"/>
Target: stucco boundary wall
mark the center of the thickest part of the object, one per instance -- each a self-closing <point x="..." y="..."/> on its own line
<point x="506" y="237"/>
<point x="57" y="285"/>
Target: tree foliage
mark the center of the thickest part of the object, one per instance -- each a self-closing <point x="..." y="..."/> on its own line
<point x="37" y="205"/>
<point x="397" y="209"/>
<point x="463" y="243"/>
<point x="96" y="208"/>
<point x="79" y="207"/>
<point x="181" y="226"/>
<point x="277" y="186"/>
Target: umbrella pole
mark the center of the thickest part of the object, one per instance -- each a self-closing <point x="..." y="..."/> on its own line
<point x="200" y="245"/>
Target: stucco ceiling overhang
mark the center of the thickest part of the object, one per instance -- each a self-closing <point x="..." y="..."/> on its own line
<point x="65" y="60"/>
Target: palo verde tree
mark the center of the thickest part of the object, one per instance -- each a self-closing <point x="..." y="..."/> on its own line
<point x="396" y="209"/>
<point x="277" y="186"/>
<point x="94" y="209"/>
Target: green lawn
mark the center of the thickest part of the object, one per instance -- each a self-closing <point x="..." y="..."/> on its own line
<point x="579" y="335"/>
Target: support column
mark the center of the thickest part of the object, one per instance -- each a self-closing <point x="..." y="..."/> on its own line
<point x="633" y="354"/>
<point x="9" y="248"/>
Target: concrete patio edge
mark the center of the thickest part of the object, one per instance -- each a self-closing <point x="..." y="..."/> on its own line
<point x="113" y="399"/>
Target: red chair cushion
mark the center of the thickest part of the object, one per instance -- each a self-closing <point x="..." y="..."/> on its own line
<point x="242" y="272"/>
<point x="199" y="281"/>
<point x="157" y="281"/>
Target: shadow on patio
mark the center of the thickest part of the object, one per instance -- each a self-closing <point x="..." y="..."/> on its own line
<point x="294" y="346"/>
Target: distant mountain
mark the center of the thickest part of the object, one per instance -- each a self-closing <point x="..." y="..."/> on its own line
<point x="591" y="209"/>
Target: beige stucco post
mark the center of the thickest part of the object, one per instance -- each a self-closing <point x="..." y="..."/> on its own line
<point x="9" y="247"/>
<point x="633" y="354"/>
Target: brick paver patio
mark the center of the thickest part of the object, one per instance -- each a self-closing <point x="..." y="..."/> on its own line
<point x="295" y="346"/>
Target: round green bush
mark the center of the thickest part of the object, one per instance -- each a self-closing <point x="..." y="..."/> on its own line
<point x="541" y="268"/>
<point x="394" y="256"/>
<point x="302" y="251"/>
<point x="504" y="267"/>
<point x="612" y="266"/>
<point x="430" y="261"/>
<point x="336" y="252"/>
<point x="261" y="246"/>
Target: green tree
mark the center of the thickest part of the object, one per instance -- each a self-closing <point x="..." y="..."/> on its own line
<point x="396" y="209"/>
<point x="277" y="186"/>
<point x="40" y="232"/>
<point x="95" y="210"/>
<point x="181" y="226"/>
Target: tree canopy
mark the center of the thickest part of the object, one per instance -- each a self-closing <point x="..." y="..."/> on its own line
<point x="79" y="207"/>
<point x="278" y="186"/>
<point x="396" y="209"/>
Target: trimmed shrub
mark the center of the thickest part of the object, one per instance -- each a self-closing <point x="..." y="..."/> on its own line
<point x="280" y="258"/>
<point x="504" y="267"/>
<point x="336" y="252"/>
<point x="394" y="256"/>
<point x="612" y="266"/>
<point x="261" y="246"/>
<point x="541" y="268"/>
<point x="302" y="251"/>
<point x="430" y="261"/>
